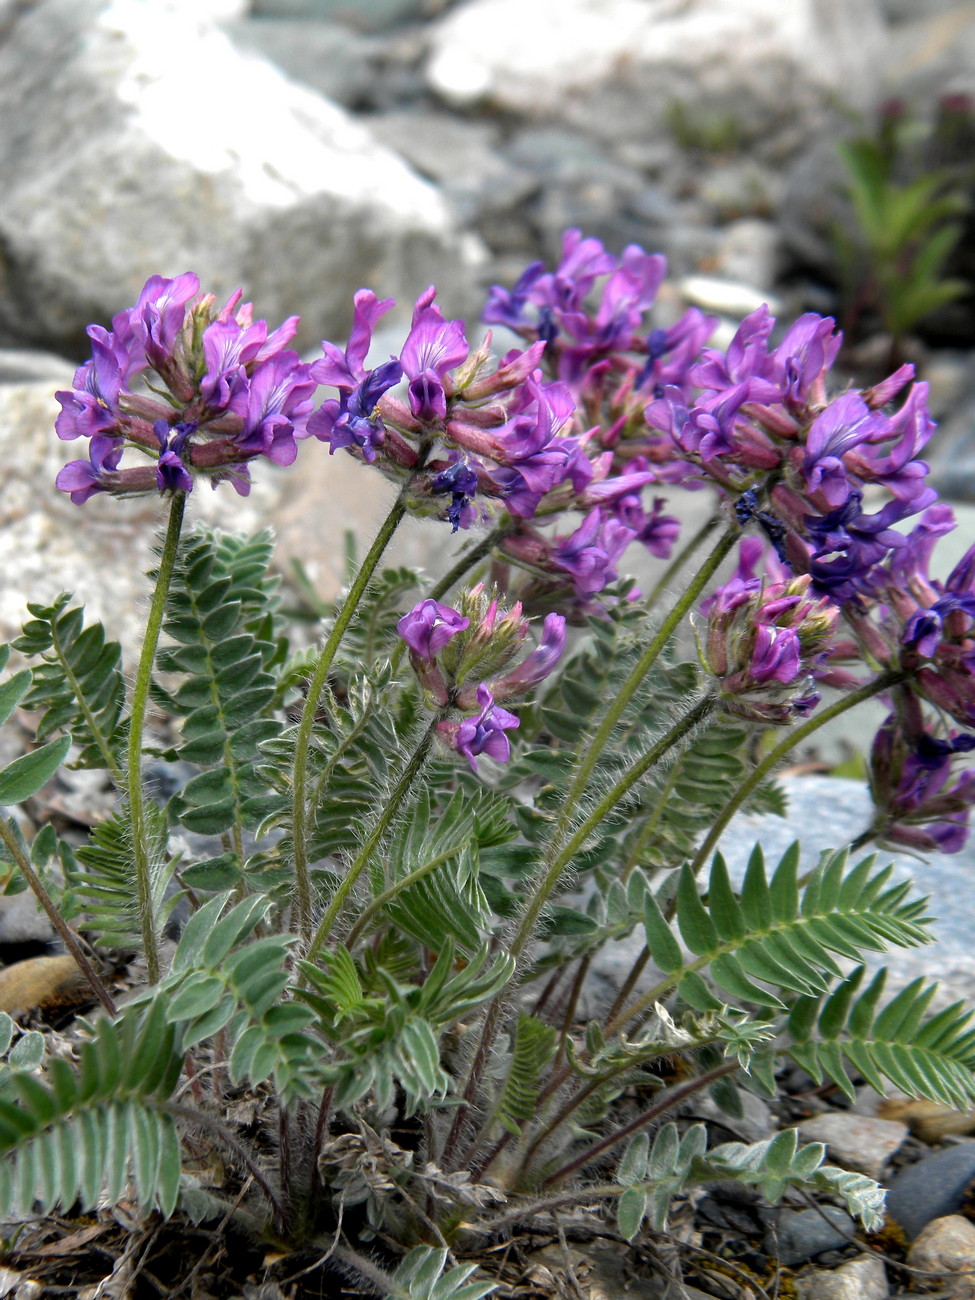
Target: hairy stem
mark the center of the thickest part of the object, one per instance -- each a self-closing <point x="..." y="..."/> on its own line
<point x="772" y="759"/>
<point x="140" y="700"/>
<point x="300" y="809"/>
<point x="361" y="860"/>
<point x="679" y="732"/>
<point x="680" y="559"/>
<point x="64" y="931"/>
<point x="671" y="1098"/>
<point x="593" y="750"/>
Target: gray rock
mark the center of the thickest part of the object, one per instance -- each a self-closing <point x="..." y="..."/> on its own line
<point x="755" y="1124"/>
<point x="947" y="1246"/>
<point x="367" y="15"/>
<point x="749" y="251"/>
<point x="340" y="64"/>
<point x="130" y="174"/>
<point x="858" y="1142"/>
<point x="864" y="1278"/>
<point x="460" y="155"/>
<point x="795" y="1236"/>
<point x="936" y="1185"/>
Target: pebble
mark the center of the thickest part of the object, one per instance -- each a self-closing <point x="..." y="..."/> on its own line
<point x="933" y="1187"/>
<point x="864" y="1278"/>
<point x="947" y="1245"/>
<point x="856" y="1141"/>
<point x="795" y="1236"/>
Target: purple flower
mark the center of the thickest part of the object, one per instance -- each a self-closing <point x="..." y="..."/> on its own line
<point x="83" y="478"/>
<point x="844" y="424"/>
<point x="279" y="402"/>
<point x="428" y="627"/>
<point x="776" y="655"/>
<point x="538" y="665"/>
<point x="154" y="324"/>
<point x="483" y="734"/>
<point x="910" y="781"/>
<point x="591" y="552"/>
<point x="460" y="480"/>
<point x="352" y="420"/>
<point x="171" y="473"/>
<point x="433" y="346"/>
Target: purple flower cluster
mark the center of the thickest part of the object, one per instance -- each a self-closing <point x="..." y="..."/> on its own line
<point x="798" y="463"/>
<point x="922" y="800"/>
<point x="764" y="642"/>
<point x="451" y="650"/>
<point x="193" y="388"/>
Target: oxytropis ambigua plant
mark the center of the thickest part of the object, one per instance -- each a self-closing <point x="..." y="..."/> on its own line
<point x="374" y="940"/>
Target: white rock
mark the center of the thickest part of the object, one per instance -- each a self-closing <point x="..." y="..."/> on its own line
<point x="529" y="56"/>
<point x="858" y="1142"/>
<point x="166" y="148"/>
<point x="727" y="296"/>
<point x="863" y="1278"/>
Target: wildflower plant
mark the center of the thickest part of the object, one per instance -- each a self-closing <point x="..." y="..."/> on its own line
<point x="368" y="866"/>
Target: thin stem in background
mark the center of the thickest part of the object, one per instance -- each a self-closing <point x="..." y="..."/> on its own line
<point x="140" y="700"/>
<point x="680" y="559"/>
<point x="68" y="937"/>
<point x="361" y="859"/>
<point x="792" y="738"/>
<point x="299" y="791"/>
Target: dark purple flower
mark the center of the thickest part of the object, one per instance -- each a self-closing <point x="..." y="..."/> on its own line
<point x="484" y="734"/>
<point x="83" y="478"/>
<point x="352" y="421"/>
<point x="428" y="627"/>
<point x="843" y="425"/>
<point x="171" y="473"/>
<point x="776" y="655"/>
<point x="460" y="480"/>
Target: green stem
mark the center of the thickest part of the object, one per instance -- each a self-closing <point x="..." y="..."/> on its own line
<point x="680" y="559"/>
<point x="771" y="760"/>
<point x="140" y="700"/>
<point x="681" y="729"/>
<point x="397" y="887"/>
<point x="303" y="891"/>
<point x="361" y="859"/>
<point x="593" y="750"/>
<point x="677" y="733"/>
<point x="67" y="935"/>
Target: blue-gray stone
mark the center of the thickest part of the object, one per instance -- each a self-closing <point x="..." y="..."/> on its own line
<point x="933" y="1187"/>
<point x="795" y="1236"/>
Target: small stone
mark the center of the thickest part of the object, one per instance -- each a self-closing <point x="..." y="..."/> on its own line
<point x="728" y="296"/>
<point x="755" y="1124"/>
<point x="926" y="1119"/>
<point x="856" y="1141"/>
<point x="795" y="1236"/>
<point x="947" y="1245"/>
<point x="864" y="1278"/>
<point x="42" y="983"/>
<point x="935" y="1186"/>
